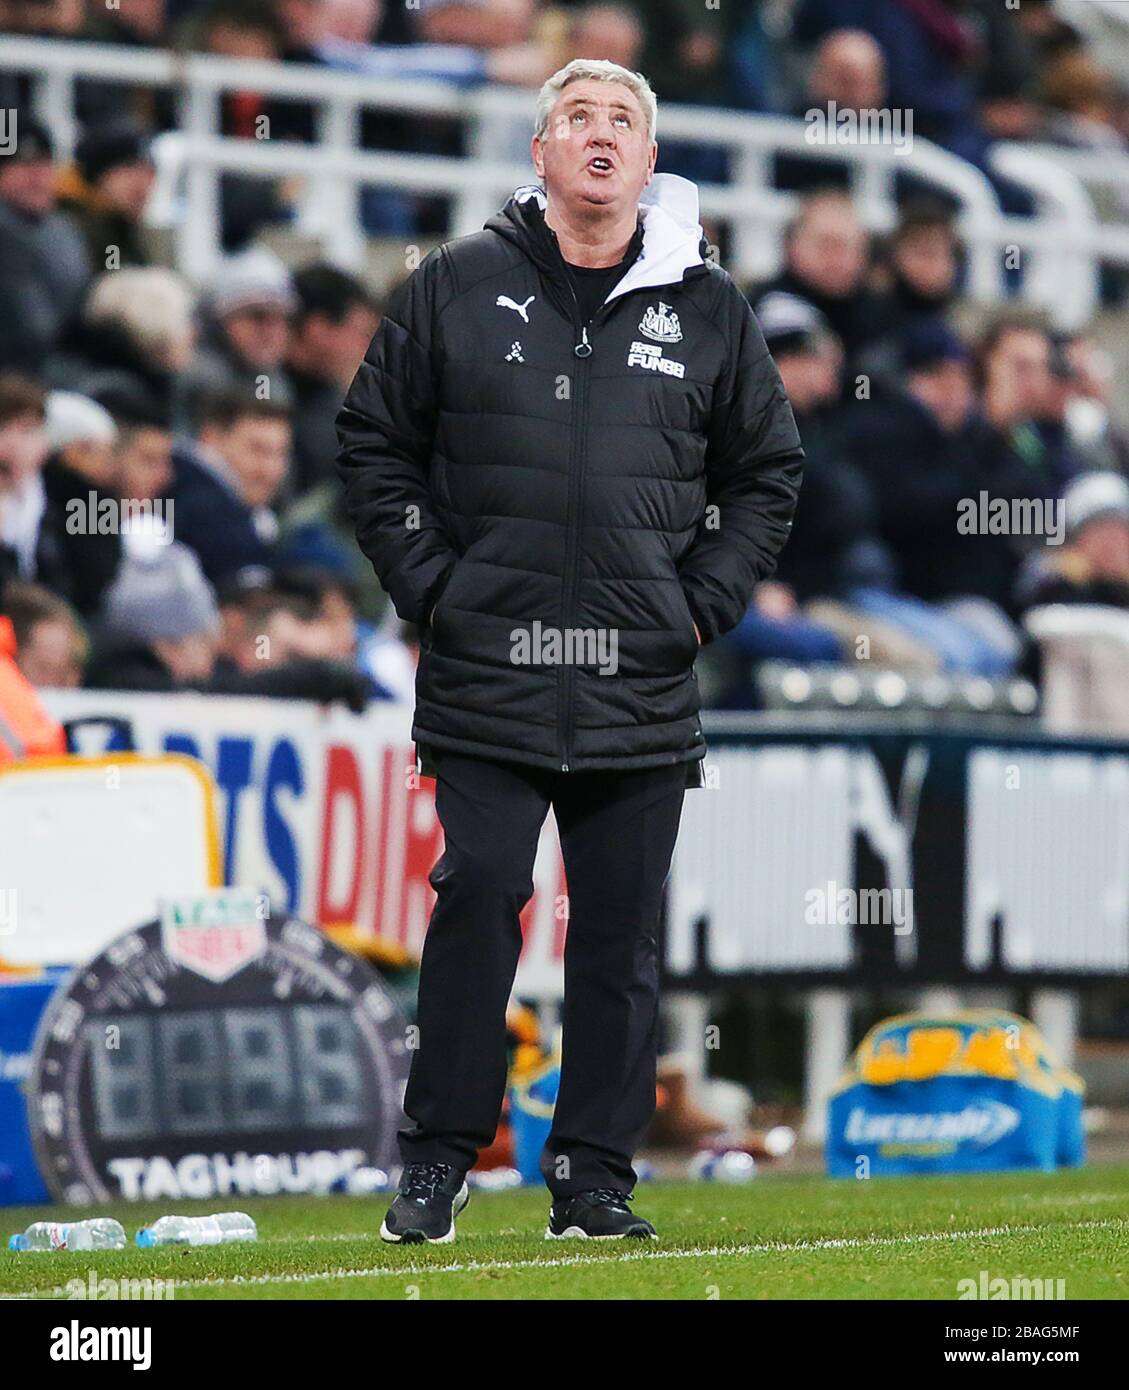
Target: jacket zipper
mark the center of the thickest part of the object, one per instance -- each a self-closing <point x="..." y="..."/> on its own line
<point x="582" y="350"/>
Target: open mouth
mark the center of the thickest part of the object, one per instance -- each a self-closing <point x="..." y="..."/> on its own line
<point x="600" y="165"/>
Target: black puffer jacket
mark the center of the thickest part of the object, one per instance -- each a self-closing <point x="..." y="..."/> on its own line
<point x="514" y="475"/>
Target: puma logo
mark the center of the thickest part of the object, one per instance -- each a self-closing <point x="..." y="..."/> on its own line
<point x="505" y="302"/>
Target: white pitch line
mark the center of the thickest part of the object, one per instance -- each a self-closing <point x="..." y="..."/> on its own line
<point x="580" y="1261"/>
<point x="700" y="1252"/>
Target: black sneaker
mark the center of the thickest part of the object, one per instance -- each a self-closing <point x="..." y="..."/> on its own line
<point x="599" y="1214"/>
<point x="431" y="1196"/>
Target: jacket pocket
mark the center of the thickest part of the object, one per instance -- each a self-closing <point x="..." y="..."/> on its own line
<point x="439" y="608"/>
<point x="691" y="637"/>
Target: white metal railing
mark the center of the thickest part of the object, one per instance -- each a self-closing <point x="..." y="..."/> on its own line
<point x="1105" y="171"/>
<point x="193" y="158"/>
<point x="1058" y="248"/>
<point x="1097" y="168"/>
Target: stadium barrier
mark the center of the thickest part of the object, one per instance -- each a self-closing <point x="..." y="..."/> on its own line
<point x="873" y="855"/>
<point x="953" y="878"/>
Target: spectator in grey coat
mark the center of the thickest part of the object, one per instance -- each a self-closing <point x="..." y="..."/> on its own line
<point x="44" y="269"/>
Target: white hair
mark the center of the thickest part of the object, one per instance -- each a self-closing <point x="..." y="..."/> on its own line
<point x="595" y="70"/>
<point x="76" y="419"/>
<point x="152" y="304"/>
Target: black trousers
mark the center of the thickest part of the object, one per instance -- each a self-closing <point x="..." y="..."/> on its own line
<point x="617" y="832"/>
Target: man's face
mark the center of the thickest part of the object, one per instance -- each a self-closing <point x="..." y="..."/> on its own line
<point x="28" y="185"/>
<point x="338" y="348"/>
<point x="258" y="453"/>
<point x="144" y="464"/>
<point x="49" y="657"/>
<point x="304" y="21"/>
<point x="259" y="334"/>
<point x="232" y="41"/>
<point x="23" y="450"/>
<point x="926" y="260"/>
<point x="293" y="638"/>
<point x="1020" y="365"/>
<point x="191" y="658"/>
<point x="354" y="20"/>
<point x="43" y="16"/>
<point x="828" y="248"/>
<point x="1105" y="543"/>
<point x="596" y="152"/>
<point x="811" y="375"/>
<point x="147" y="17"/>
<point x="849" y="70"/>
<point x="126" y="189"/>
<point x="608" y="32"/>
<point x="92" y="458"/>
<point x="946" y="389"/>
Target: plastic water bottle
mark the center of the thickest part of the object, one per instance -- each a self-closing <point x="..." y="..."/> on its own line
<point x="101" y="1233"/>
<point x="222" y="1229"/>
<point x="494" y="1179"/>
<point x="728" y="1166"/>
<point x="362" y="1182"/>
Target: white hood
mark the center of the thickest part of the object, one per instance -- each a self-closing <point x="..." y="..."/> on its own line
<point x="672" y="232"/>
<point x="672" y="235"/>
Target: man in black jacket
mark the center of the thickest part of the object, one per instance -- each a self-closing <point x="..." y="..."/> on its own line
<point x="569" y="456"/>
<point x="226" y="480"/>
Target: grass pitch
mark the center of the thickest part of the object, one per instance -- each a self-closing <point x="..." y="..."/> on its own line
<point x="781" y="1237"/>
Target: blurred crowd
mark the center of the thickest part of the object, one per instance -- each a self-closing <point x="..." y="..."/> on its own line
<point x="169" y="516"/>
<point x="953" y="480"/>
<point x="972" y="71"/>
<point x="169" y="513"/>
